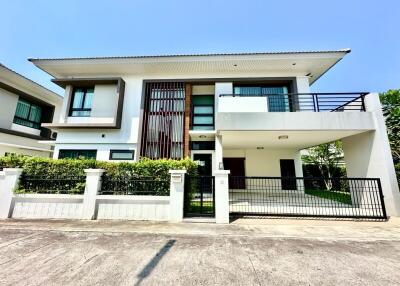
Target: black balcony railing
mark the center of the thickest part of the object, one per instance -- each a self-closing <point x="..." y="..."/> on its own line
<point x="307" y="197"/>
<point x="316" y="102"/>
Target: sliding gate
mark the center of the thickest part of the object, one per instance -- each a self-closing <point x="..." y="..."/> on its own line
<point x="307" y="197"/>
<point x="199" y="196"/>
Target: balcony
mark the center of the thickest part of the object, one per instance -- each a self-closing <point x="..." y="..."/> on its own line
<point x="266" y="116"/>
<point x="292" y="102"/>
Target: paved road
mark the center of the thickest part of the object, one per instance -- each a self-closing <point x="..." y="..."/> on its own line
<point x="86" y="253"/>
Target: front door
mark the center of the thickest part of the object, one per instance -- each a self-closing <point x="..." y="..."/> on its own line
<point x="288" y="174"/>
<point x="204" y="164"/>
<point x="199" y="190"/>
<point x="237" y="176"/>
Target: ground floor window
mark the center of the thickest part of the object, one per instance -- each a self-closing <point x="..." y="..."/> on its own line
<point x="75" y="154"/>
<point x="122" y="154"/>
<point x="202" y="145"/>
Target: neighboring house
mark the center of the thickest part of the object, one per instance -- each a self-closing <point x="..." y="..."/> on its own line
<point x="249" y="113"/>
<point x="24" y="106"/>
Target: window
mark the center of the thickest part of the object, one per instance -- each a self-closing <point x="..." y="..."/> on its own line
<point x="81" y="102"/>
<point x="202" y="145"/>
<point x="28" y="114"/>
<point x="278" y="100"/>
<point x="122" y="154"/>
<point x="75" y="154"/>
<point x="203" y="112"/>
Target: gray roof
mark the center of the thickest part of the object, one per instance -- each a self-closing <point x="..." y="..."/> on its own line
<point x="194" y="55"/>
<point x="28" y="79"/>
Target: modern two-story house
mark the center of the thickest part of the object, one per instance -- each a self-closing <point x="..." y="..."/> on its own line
<point x="24" y="106"/>
<point x="250" y="113"/>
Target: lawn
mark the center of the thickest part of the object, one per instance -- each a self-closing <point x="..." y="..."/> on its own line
<point x="195" y="207"/>
<point x="340" y="197"/>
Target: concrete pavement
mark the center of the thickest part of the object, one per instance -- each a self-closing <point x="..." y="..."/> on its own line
<point x="246" y="252"/>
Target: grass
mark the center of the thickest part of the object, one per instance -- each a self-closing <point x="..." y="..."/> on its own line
<point x="195" y="207"/>
<point x="340" y="197"/>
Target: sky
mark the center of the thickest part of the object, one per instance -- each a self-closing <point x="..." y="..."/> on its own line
<point x="86" y="28"/>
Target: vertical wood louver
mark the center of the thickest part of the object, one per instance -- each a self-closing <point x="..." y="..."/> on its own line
<point x="163" y="120"/>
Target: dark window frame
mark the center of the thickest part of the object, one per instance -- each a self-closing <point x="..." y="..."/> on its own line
<point x="77" y="150"/>
<point x="121" y="151"/>
<point x="193" y="115"/>
<point x="36" y="125"/>
<point x="72" y="109"/>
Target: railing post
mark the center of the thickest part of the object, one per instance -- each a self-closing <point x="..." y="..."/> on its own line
<point x="221" y="196"/>
<point x="93" y="185"/>
<point x="177" y="188"/>
<point x="317" y="102"/>
<point x="8" y="183"/>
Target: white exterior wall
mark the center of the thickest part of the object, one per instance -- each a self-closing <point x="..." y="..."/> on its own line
<point x="368" y="155"/>
<point x="7" y="108"/>
<point x="265" y="162"/>
<point x="24" y="146"/>
<point x="103" y="150"/>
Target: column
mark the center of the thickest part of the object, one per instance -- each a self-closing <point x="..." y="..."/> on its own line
<point x="176" y="195"/>
<point x="222" y="196"/>
<point x="93" y="186"/>
<point x="9" y="182"/>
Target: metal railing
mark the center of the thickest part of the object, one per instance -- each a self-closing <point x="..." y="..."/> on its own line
<point x="52" y="185"/>
<point x="139" y="186"/>
<point x="309" y="197"/>
<point x="316" y="102"/>
<point x="199" y="196"/>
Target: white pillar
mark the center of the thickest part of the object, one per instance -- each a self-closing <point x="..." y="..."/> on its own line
<point x="219" y="156"/>
<point x="221" y="196"/>
<point x="9" y="182"/>
<point x="368" y="155"/>
<point x="93" y="185"/>
<point x="176" y="195"/>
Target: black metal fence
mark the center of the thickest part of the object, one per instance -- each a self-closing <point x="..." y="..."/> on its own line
<point x="143" y="186"/>
<point x="307" y="197"/>
<point x="52" y="185"/>
<point x="316" y="102"/>
<point x="199" y="196"/>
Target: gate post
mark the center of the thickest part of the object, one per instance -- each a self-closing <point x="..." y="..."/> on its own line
<point x="176" y="195"/>
<point x="221" y="196"/>
<point x="9" y="182"/>
<point x="93" y="185"/>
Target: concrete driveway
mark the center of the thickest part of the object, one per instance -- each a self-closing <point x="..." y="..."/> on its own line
<point x="247" y="252"/>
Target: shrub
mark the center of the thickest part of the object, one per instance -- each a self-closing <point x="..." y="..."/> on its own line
<point x="397" y="166"/>
<point x="47" y="168"/>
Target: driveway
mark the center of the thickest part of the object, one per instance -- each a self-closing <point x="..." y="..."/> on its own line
<point x="247" y="252"/>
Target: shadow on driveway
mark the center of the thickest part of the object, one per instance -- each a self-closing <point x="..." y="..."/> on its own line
<point x="154" y="261"/>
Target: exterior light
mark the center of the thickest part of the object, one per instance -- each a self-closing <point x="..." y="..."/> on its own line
<point x="283" y="137"/>
<point x="293" y="64"/>
<point x="202" y="136"/>
<point x="260" y="148"/>
<point x="235" y="65"/>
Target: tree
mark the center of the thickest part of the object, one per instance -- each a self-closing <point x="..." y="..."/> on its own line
<point x="327" y="157"/>
<point x="391" y="110"/>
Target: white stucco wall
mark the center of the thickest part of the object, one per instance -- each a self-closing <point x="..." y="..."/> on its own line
<point x="7" y="108"/>
<point x="265" y="162"/>
<point x="103" y="150"/>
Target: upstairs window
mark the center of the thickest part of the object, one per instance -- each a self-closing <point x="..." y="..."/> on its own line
<point x="278" y="99"/>
<point x="203" y="112"/>
<point x="81" y="102"/>
<point x="28" y="114"/>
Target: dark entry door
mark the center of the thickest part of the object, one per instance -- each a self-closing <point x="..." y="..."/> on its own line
<point x="205" y="162"/>
<point x="199" y="190"/>
<point x="288" y="173"/>
<point x="236" y="166"/>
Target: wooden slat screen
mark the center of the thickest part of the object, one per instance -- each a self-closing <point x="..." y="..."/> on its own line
<point x="163" y="120"/>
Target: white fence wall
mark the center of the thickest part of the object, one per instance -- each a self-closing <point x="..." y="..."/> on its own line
<point x="90" y="205"/>
<point x="133" y="207"/>
<point x="47" y="206"/>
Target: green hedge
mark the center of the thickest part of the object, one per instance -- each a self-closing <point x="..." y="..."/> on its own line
<point x="48" y="168"/>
